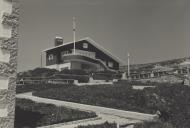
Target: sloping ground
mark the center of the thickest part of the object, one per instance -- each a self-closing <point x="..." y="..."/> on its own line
<point x="105" y="114"/>
<point x="171" y="100"/>
<point x="119" y="97"/>
<point x="91" y="108"/>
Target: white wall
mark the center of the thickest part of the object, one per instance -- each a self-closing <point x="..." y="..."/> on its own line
<point x="5" y="6"/>
<point x="5" y="32"/>
<point x="65" y="65"/>
<point x="4" y="81"/>
<point x="4" y="55"/>
<point x="55" y="66"/>
<point x="3" y="112"/>
<point x="59" y="66"/>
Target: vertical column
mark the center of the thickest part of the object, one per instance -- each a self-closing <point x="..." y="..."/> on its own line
<point x="128" y="65"/>
<point x="8" y="57"/>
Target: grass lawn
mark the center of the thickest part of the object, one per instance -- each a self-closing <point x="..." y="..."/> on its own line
<point x="32" y="114"/>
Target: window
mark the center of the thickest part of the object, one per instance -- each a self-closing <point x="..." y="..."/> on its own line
<point x="65" y="53"/>
<point x="85" y="45"/>
<point x="110" y="64"/>
<point x="50" y="57"/>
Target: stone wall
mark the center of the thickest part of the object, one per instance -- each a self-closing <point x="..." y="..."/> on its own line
<point x="9" y="16"/>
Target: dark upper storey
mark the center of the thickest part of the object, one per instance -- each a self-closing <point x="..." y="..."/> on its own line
<point x="99" y="54"/>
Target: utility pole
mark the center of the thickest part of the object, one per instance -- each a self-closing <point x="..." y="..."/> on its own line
<point x="128" y="65"/>
<point x="41" y="59"/>
<point x="74" y="31"/>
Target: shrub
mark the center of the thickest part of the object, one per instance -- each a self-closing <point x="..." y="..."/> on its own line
<point x="38" y="72"/>
<point x="104" y="125"/>
<point x="73" y="71"/>
<point x="80" y="78"/>
<point x="45" y="114"/>
<point x="37" y="87"/>
<point x="153" y="125"/>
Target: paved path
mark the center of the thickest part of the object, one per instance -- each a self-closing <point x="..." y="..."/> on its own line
<point x="106" y="114"/>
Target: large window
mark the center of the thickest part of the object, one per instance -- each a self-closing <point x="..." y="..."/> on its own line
<point x="85" y="45"/>
<point x="110" y="64"/>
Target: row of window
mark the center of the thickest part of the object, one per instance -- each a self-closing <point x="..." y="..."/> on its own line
<point x="110" y="64"/>
<point x="85" y="53"/>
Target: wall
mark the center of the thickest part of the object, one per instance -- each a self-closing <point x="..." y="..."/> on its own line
<point x="8" y="56"/>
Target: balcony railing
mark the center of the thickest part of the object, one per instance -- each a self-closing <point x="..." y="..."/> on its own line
<point x="80" y="52"/>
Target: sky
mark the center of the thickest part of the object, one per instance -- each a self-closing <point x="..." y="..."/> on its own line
<point x="150" y="30"/>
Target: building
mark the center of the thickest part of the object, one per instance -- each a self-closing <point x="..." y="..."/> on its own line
<point x="84" y="54"/>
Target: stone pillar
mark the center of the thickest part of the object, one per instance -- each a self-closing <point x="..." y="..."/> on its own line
<point x="8" y="58"/>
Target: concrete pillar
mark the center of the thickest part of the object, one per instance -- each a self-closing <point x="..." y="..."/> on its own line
<point x="124" y="76"/>
<point x="8" y="64"/>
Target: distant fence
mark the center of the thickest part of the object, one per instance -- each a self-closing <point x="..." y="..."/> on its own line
<point x="33" y="80"/>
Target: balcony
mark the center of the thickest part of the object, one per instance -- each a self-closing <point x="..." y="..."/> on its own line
<point x="79" y="52"/>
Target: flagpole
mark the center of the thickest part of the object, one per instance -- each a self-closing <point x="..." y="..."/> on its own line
<point x="74" y="35"/>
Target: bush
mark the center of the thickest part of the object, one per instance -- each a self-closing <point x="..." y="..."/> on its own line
<point x="37" y="72"/>
<point x="153" y="125"/>
<point x="73" y="71"/>
<point x="37" y="87"/>
<point x="80" y="78"/>
<point x="34" y="114"/>
<point x="106" y="75"/>
<point x="104" y="125"/>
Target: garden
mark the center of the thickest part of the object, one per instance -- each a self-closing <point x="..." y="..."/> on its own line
<point x="31" y="114"/>
<point x="173" y="101"/>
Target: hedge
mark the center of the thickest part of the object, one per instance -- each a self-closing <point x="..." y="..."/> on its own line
<point x="37" y="87"/>
<point x="104" y="125"/>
